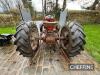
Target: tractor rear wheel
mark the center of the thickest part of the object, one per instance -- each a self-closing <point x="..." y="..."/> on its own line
<point x="25" y="41"/>
<point x="75" y="39"/>
<point x="78" y="38"/>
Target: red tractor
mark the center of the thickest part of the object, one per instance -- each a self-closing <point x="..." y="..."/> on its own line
<point x="49" y="30"/>
<point x="70" y="36"/>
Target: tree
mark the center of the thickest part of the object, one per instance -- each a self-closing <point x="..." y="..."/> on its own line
<point x="56" y="10"/>
<point x="64" y="4"/>
<point x="25" y="3"/>
<point x="42" y="5"/>
<point x="28" y="5"/>
<point x="56" y="5"/>
<point x="45" y="6"/>
<point x="94" y="5"/>
<point x="98" y="6"/>
<point x="90" y="4"/>
<point x="5" y="5"/>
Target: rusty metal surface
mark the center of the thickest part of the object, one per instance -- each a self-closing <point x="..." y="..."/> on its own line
<point x="44" y="63"/>
<point x="50" y="40"/>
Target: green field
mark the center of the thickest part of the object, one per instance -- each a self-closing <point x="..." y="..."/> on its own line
<point x="7" y="30"/>
<point x="93" y="38"/>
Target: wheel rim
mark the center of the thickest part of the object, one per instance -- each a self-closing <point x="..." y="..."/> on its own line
<point x="33" y="41"/>
<point x="66" y="42"/>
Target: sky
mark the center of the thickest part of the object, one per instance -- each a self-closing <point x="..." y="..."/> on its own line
<point x="1" y="10"/>
<point x="37" y="4"/>
<point x="70" y="5"/>
<point x="12" y="5"/>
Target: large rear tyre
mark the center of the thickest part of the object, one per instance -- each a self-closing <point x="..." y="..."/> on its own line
<point x="25" y="41"/>
<point x="75" y="39"/>
<point x="78" y="38"/>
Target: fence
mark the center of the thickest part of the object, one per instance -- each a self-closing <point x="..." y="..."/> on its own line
<point x="85" y="16"/>
<point x="81" y="16"/>
<point x="8" y="20"/>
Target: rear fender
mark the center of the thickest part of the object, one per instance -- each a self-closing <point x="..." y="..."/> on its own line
<point x="38" y="25"/>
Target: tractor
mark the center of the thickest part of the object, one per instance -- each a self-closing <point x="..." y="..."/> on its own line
<point x="68" y="36"/>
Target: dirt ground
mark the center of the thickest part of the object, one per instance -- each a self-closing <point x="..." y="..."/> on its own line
<point x="45" y="63"/>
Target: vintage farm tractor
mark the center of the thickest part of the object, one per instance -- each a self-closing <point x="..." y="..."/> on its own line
<point x="68" y="36"/>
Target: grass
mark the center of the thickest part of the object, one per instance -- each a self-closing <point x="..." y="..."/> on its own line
<point x="7" y="30"/>
<point x="93" y="40"/>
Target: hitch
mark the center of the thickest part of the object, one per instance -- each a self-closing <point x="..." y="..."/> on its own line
<point x="42" y="38"/>
<point x="50" y="39"/>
